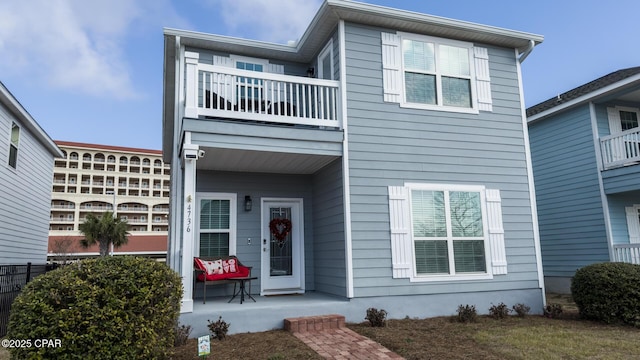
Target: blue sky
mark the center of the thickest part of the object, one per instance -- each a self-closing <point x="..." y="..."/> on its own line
<point x="91" y="71"/>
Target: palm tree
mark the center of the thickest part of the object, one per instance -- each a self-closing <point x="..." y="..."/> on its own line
<point x="105" y="230"/>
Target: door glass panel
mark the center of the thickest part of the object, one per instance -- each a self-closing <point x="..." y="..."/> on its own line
<point x="280" y="255"/>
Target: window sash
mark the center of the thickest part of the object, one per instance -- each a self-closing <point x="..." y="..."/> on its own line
<point x="13" y="146"/>
<point x="457" y="246"/>
<point x="216" y="222"/>
<point x="437" y="73"/>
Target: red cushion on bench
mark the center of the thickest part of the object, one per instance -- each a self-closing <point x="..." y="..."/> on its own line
<point x="220" y="269"/>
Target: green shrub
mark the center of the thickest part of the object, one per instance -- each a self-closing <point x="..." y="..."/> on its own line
<point x="108" y="308"/>
<point x="608" y="292"/>
<point x="467" y="313"/>
<point x="499" y="311"/>
<point x="377" y="318"/>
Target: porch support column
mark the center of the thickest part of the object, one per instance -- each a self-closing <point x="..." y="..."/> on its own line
<point x="191" y="91"/>
<point x="190" y="154"/>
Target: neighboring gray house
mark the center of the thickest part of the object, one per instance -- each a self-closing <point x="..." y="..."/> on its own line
<point x="585" y="145"/>
<point x="395" y="143"/>
<point x="26" y="173"/>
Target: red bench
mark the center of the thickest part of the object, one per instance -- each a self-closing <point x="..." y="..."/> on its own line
<point x="217" y="271"/>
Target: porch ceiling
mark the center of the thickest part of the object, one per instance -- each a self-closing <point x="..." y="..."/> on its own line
<point x="261" y="161"/>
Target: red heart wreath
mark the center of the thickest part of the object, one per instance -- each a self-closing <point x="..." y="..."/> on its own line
<point x="280" y="228"/>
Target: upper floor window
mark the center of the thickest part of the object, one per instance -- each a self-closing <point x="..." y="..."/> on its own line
<point x="13" y="146"/>
<point x="622" y="118"/>
<point x="435" y="73"/>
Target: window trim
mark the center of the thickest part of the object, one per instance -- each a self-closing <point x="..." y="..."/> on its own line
<point x="438" y="106"/>
<point x="618" y="119"/>
<point x="15" y="146"/>
<point x="488" y="274"/>
<point x="233" y="219"/>
<point x="326" y="51"/>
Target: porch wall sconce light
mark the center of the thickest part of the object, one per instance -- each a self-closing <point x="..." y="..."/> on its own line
<point x="247" y="203"/>
<point x="310" y="72"/>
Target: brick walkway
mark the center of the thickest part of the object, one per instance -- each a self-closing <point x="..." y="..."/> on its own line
<point x="328" y="336"/>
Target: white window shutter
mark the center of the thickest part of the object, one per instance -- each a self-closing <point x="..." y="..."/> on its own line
<point x="483" y="80"/>
<point x="391" y="67"/>
<point x="222" y="61"/>
<point x="400" y="222"/>
<point x="496" y="232"/>
<point x="632" y="225"/>
<point x="275" y="69"/>
<point x="615" y="125"/>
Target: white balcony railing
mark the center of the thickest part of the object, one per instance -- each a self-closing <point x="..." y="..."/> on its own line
<point x="621" y="149"/>
<point x="628" y="253"/>
<point x="218" y="91"/>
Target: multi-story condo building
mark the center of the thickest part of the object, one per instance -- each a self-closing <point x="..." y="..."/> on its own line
<point x="91" y="179"/>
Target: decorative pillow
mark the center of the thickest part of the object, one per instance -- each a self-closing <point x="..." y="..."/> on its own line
<point x="229" y="266"/>
<point x="214" y="267"/>
<point x="199" y="264"/>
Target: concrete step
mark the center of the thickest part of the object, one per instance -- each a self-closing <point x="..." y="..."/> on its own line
<point x="314" y="323"/>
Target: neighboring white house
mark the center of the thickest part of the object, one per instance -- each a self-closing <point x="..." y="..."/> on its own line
<point x="26" y="173"/>
<point x="383" y="160"/>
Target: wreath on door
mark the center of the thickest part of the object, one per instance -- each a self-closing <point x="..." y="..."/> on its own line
<point x="280" y="228"/>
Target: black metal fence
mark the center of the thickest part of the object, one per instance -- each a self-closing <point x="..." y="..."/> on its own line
<point x="12" y="279"/>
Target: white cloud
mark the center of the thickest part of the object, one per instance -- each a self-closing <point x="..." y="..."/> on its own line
<point x="73" y="45"/>
<point x="268" y="20"/>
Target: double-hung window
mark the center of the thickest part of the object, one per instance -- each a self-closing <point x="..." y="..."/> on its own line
<point x="426" y="72"/>
<point x="448" y="232"/>
<point x="443" y="232"/>
<point x="13" y="145"/>
<point x="437" y="73"/>
<point x="216" y="224"/>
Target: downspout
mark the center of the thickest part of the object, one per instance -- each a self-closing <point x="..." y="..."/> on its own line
<point x="528" y="51"/>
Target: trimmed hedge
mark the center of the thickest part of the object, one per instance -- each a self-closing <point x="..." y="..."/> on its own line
<point x="608" y="292"/>
<point x="108" y="308"/>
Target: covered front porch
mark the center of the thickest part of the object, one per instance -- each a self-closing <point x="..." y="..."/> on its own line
<point x="624" y="217"/>
<point x="240" y="176"/>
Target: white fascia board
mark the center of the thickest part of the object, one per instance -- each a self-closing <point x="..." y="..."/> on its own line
<point x="411" y="16"/>
<point x="584" y="98"/>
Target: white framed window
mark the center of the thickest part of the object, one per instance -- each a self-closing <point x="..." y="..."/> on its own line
<point x="442" y="232"/>
<point x="325" y="62"/>
<point x="13" y="145"/>
<point x="216" y="220"/>
<point x="433" y="73"/>
<point x="622" y="118"/>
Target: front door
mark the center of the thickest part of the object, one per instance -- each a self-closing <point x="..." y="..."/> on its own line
<point x="282" y="247"/>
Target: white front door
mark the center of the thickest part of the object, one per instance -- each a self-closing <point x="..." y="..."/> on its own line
<point x="282" y="270"/>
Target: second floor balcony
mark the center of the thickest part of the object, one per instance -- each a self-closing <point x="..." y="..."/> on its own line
<point x="621" y="149"/>
<point x="223" y="92"/>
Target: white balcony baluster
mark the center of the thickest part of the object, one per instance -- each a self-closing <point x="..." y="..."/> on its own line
<point x="621" y="149"/>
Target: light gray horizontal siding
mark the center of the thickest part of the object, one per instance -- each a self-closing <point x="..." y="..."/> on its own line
<point x="570" y="214"/>
<point x="329" y="240"/>
<point x="25" y="196"/>
<point x="390" y="145"/>
<point x="259" y="185"/>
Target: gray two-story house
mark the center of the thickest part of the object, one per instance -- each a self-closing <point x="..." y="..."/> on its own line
<point x="26" y="172"/>
<point x="585" y="145"/>
<point x="382" y="160"/>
